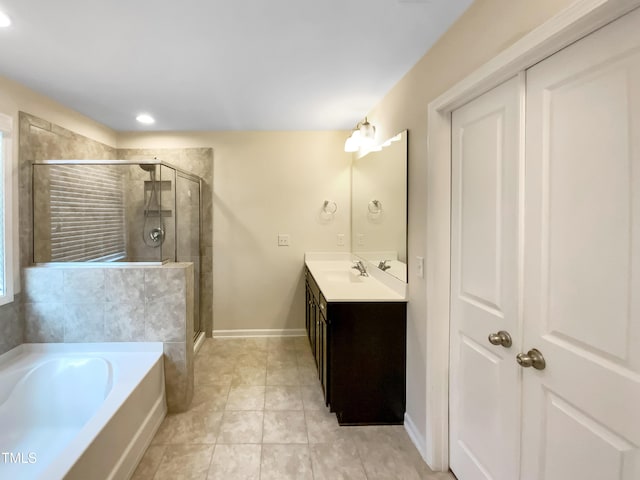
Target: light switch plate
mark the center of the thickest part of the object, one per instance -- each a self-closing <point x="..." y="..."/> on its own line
<point x="283" y="239"/>
<point x="340" y="239"/>
<point x="420" y="267"/>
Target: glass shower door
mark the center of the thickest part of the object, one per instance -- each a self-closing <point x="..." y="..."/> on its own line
<point x="188" y="238"/>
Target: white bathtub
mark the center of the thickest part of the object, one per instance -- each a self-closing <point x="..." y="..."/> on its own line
<point x="78" y="411"/>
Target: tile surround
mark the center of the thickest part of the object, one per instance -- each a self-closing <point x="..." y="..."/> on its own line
<point x="76" y="304"/>
<point x="126" y="321"/>
<point x="42" y="140"/>
<point x="110" y="304"/>
<point x="12" y="325"/>
<point x="200" y="162"/>
<point x="289" y="434"/>
<point x="84" y="322"/>
<point x="83" y="285"/>
<point x="124" y="284"/>
<point x="44" y="322"/>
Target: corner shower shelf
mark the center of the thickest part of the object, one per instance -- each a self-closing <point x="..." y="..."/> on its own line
<point x="155" y="213"/>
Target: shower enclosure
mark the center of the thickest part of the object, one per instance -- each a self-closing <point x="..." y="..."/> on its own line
<point x="117" y="211"/>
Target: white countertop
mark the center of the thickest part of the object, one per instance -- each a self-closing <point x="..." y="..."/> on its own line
<point x="341" y="283"/>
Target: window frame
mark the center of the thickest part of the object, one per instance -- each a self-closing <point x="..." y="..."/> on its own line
<point x="6" y="129"/>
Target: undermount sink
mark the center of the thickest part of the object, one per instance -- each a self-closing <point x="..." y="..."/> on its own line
<point x="342" y="276"/>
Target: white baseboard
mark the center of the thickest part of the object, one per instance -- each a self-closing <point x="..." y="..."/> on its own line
<point x="415" y="436"/>
<point x="273" y="332"/>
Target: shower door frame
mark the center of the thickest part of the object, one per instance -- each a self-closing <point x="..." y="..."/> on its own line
<point x="198" y="180"/>
<point x="178" y="172"/>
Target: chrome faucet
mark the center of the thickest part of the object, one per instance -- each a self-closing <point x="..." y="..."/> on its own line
<point x="361" y="268"/>
<point x="383" y="265"/>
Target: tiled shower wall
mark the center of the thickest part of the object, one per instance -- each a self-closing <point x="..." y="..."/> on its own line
<point x="42" y="140"/>
<point x="105" y="313"/>
<point x="11" y="326"/>
<point x="117" y="304"/>
<point x="198" y="161"/>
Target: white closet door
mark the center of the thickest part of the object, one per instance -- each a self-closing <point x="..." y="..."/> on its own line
<point x="581" y="415"/>
<point x="484" y="378"/>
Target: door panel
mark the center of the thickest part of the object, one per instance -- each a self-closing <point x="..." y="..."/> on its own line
<point x="480" y="166"/>
<point x="484" y="379"/>
<point x="602" y="453"/>
<point x="582" y="259"/>
<point x="587" y="118"/>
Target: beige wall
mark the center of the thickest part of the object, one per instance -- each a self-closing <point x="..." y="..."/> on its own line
<point x="15" y="97"/>
<point x="266" y="183"/>
<point x="484" y="30"/>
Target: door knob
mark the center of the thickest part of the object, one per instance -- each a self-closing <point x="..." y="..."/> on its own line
<point x="533" y="358"/>
<point x="501" y="338"/>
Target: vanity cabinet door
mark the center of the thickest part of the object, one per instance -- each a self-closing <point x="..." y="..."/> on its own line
<point x="311" y="317"/>
<point x="367" y="362"/>
<point x="313" y="321"/>
<point x="321" y="312"/>
<point x="307" y="312"/>
<point x="323" y="370"/>
<point x="315" y="301"/>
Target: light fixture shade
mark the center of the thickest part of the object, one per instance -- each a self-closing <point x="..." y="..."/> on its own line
<point x="351" y="144"/>
<point x="362" y="137"/>
<point x="367" y="130"/>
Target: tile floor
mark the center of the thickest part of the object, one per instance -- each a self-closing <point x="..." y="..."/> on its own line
<point x="258" y="413"/>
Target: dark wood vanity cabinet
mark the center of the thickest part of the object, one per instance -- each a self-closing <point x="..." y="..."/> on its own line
<point x="360" y="352"/>
<point x="316" y="325"/>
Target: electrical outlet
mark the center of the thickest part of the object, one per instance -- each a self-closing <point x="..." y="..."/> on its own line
<point x="283" y="239"/>
<point x="360" y="239"/>
<point x="420" y="267"/>
<point x="340" y="240"/>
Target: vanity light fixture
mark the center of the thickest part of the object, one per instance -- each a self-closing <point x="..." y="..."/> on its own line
<point x="145" y="118"/>
<point x="352" y="144"/>
<point x="5" y="21"/>
<point x="362" y="136"/>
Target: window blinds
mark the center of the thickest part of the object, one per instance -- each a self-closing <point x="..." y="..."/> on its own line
<point x="87" y="213"/>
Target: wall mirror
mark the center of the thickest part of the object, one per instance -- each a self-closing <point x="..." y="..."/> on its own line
<point x="379" y="206"/>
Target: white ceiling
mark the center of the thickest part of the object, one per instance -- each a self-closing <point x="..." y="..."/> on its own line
<point x="220" y="65"/>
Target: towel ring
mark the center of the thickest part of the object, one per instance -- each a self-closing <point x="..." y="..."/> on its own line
<point x="375" y="206"/>
<point x="329" y="207"/>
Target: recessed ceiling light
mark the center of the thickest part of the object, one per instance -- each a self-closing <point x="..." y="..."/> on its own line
<point x="145" y="118"/>
<point x="5" y="21"/>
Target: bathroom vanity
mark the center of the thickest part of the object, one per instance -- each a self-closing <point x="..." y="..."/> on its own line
<point x="357" y="331"/>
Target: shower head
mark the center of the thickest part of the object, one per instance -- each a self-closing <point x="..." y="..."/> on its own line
<point x="148" y="167"/>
